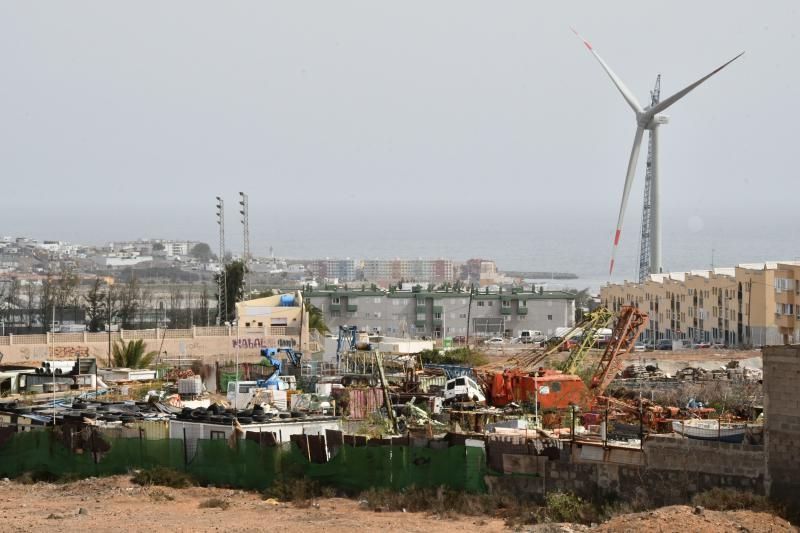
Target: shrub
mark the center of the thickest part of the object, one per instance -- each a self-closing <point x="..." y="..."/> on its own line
<point x="160" y="475"/>
<point x="298" y="491"/>
<point x="158" y="495"/>
<point x="725" y="499"/>
<point x="215" y="503"/>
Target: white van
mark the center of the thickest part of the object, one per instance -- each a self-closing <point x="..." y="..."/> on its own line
<point x="464" y="389"/>
<point x="528" y="336"/>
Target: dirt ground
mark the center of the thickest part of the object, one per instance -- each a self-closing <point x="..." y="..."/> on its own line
<point x="114" y="503"/>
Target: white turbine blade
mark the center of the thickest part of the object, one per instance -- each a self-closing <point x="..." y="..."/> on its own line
<point x="626" y="94"/>
<point x="663" y="104"/>
<point x="626" y="192"/>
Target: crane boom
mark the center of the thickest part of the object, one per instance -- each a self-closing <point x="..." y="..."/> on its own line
<point x="591" y="324"/>
<point x="628" y="327"/>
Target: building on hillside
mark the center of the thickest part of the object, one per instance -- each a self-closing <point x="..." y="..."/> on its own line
<point x="280" y="315"/>
<point x="445" y="314"/>
<point x="420" y="270"/>
<point x="751" y="304"/>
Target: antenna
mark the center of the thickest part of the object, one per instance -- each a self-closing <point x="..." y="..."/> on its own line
<point x="222" y="310"/>
<point x="245" y="238"/>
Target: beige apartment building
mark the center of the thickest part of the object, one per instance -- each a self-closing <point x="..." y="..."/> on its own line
<point x="751" y="304"/>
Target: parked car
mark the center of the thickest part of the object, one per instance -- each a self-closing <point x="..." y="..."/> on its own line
<point x="496" y="340"/>
<point x="664" y="344"/>
<point x="460" y="339"/>
<point x="700" y="345"/>
<point x="640" y="347"/>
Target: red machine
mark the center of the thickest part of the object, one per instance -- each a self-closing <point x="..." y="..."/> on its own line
<point x="556" y="390"/>
<point x="550" y="388"/>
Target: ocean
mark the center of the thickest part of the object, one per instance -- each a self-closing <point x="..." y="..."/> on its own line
<point x="577" y="243"/>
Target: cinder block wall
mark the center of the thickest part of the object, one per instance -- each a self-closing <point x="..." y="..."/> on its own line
<point x="782" y="428"/>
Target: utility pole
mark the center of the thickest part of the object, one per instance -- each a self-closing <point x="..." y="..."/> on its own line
<point x="244" y="211"/>
<point x="222" y="304"/>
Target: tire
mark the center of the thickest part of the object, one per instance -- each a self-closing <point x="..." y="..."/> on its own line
<point x="244" y="419"/>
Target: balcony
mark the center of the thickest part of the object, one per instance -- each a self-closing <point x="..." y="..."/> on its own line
<point x="420" y="324"/>
<point x="336" y="307"/>
<point x="438" y="309"/>
<point x="352" y="308"/>
<point x="522" y="311"/>
<point x="437" y="322"/>
<point x="505" y="310"/>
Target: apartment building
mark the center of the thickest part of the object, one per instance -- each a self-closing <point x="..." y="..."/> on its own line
<point x="421" y="270"/>
<point x="341" y="269"/>
<point x="750" y="304"/>
<point x="445" y="314"/>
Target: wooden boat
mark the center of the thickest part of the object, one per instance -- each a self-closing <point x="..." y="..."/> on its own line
<point x="710" y="430"/>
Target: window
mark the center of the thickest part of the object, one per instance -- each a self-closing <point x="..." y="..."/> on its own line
<point x="549" y="317"/>
<point x="490" y="303"/>
<point x="217" y="435"/>
<point x="462" y="315"/>
<point x="335" y="300"/>
<point x="480" y="304"/>
<point x="506" y="303"/>
<point x="437" y="316"/>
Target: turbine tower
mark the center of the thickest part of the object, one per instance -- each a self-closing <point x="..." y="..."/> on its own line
<point x="646" y="241"/>
<point x="650" y="119"/>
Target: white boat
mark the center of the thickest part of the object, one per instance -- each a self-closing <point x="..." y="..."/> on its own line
<point x="710" y="430"/>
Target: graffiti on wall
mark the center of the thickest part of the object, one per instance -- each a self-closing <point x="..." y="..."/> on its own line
<point x="70" y="352"/>
<point x="249" y="342"/>
<point x="261" y="342"/>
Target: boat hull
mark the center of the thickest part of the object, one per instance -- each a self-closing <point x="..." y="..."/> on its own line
<point x="709" y="430"/>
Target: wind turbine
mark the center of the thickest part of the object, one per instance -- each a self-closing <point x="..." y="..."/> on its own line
<point x="650" y="119"/>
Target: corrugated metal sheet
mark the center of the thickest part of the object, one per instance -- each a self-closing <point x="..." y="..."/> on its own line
<point x="363" y="402"/>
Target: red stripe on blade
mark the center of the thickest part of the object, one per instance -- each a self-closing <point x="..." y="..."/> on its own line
<point x="611" y="267"/>
<point x="616" y="237"/>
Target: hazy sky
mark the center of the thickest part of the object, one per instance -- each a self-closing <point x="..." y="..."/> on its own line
<point x="349" y="120"/>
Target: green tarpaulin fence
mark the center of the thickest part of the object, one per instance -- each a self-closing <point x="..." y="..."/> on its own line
<point x="247" y="464"/>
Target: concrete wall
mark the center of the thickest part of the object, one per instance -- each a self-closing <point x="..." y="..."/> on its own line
<point x="782" y="426"/>
<point x="667" y="471"/>
<point x="208" y="349"/>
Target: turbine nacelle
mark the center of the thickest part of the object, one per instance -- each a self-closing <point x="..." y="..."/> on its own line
<point x="648" y="123"/>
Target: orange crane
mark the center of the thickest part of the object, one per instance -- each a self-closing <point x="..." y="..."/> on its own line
<point x="553" y="389"/>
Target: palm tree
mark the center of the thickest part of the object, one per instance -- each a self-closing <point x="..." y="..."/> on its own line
<point x="315" y="319"/>
<point x="132" y="354"/>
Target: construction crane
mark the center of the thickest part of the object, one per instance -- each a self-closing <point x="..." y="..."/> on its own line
<point x="588" y="327"/>
<point x="528" y="383"/>
<point x="629" y="325"/>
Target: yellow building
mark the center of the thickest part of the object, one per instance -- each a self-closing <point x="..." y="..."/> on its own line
<point x="282" y="315"/>
<point x="750" y="304"/>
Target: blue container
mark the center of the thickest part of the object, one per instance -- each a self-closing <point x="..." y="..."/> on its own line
<point x="287" y="300"/>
